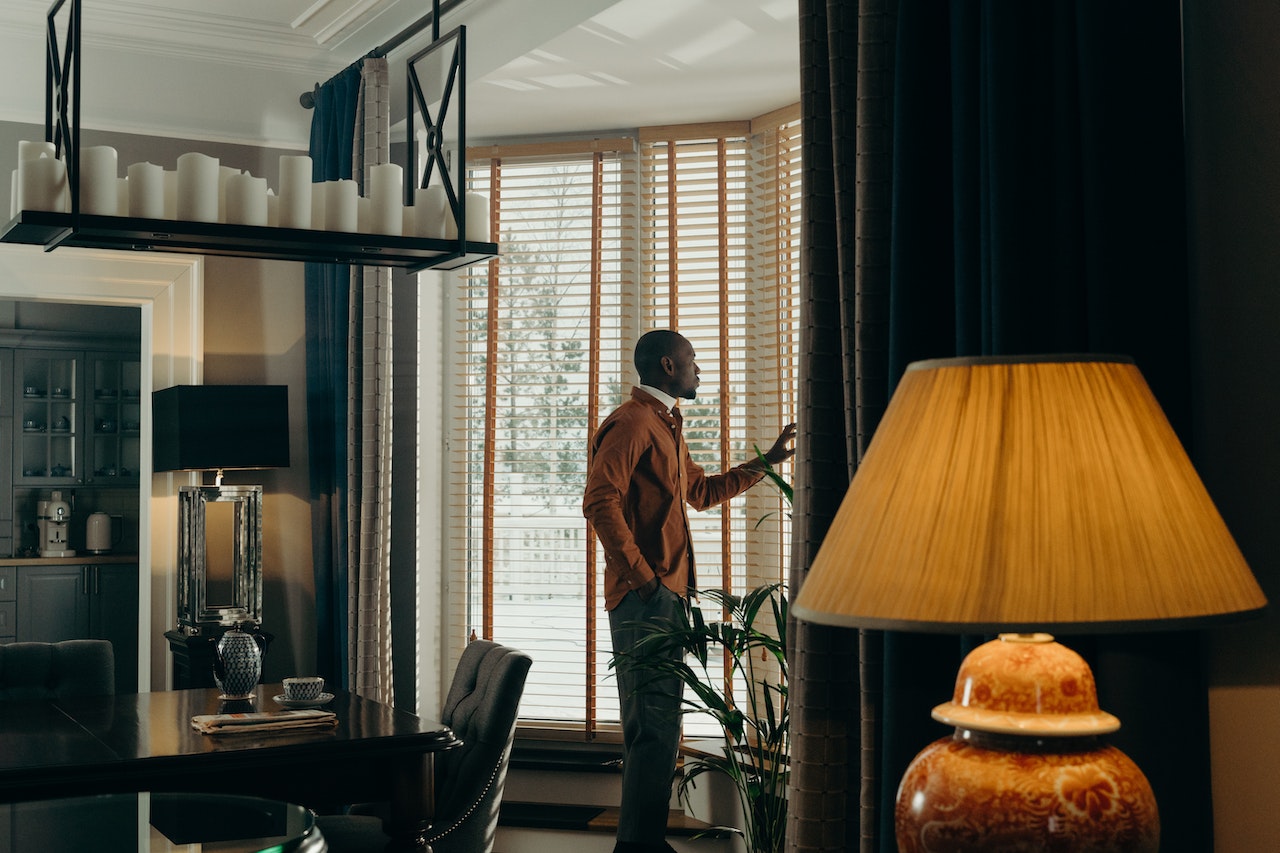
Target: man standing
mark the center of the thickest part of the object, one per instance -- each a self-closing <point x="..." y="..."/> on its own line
<point x="639" y="479"/>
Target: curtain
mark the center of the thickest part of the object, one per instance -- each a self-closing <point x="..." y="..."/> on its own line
<point x="835" y="672"/>
<point x="982" y="178"/>
<point x="348" y="331"/>
<point x="327" y="317"/>
<point x="369" y="424"/>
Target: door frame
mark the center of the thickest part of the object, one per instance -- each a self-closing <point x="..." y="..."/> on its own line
<point x="169" y="291"/>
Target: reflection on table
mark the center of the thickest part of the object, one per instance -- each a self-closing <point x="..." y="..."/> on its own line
<point x="158" y="823"/>
<point x="144" y="742"/>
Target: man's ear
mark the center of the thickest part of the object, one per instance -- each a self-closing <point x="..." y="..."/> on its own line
<point x="668" y="366"/>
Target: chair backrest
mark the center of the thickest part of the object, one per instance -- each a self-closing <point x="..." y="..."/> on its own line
<point x="481" y="708"/>
<point x="55" y="670"/>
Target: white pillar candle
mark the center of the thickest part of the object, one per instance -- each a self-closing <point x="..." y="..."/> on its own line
<point x="477" y="214"/>
<point x="29" y="150"/>
<point x="295" y="191"/>
<point x="386" y="191"/>
<point x="170" y="194"/>
<point x="43" y="184"/>
<point x="273" y="208"/>
<point x="197" y="188"/>
<point x="246" y="199"/>
<point x="431" y="209"/>
<point x="146" y="191"/>
<point x="340" y="206"/>
<point x="224" y="175"/>
<point x="362" y="216"/>
<point x="98" y="174"/>
<point x="318" y="200"/>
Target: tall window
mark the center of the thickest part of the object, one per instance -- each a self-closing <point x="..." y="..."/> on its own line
<point x="601" y="241"/>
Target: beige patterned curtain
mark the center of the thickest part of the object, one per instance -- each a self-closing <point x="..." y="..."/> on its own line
<point x="369" y="423"/>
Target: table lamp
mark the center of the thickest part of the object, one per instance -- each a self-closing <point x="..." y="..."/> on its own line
<point x="219" y="428"/>
<point x="1019" y="496"/>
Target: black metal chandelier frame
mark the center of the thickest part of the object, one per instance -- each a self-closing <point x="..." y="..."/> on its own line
<point x="62" y="128"/>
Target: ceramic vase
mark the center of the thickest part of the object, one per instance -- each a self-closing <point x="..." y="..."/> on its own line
<point x="237" y="664"/>
<point x="1026" y="769"/>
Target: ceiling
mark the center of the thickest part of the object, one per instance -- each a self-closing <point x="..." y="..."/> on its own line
<point x="232" y="70"/>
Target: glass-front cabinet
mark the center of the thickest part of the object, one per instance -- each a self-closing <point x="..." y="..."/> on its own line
<point x="115" y="420"/>
<point x="79" y="417"/>
<point x="47" y="388"/>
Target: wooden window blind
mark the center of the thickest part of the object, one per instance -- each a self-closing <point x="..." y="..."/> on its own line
<point x="543" y="341"/>
<point x="539" y="344"/>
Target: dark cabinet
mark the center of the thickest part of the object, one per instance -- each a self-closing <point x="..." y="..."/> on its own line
<point x="6" y="457"/>
<point x="8" y="603"/>
<point x="67" y="602"/>
<point x="115" y="419"/>
<point x="79" y="417"/>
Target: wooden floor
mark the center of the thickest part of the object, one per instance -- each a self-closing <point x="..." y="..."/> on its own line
<point x="587" y="819"/>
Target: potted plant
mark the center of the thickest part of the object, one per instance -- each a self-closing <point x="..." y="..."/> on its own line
<point x="749" y="632"/>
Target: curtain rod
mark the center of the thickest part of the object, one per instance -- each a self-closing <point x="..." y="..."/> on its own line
<point x="431" y="19"/>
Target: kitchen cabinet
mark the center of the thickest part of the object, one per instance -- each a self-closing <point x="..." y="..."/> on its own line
<point x="6" y="458"/>
<point x="74" y="601"/>
<point x="115" y="419"/>
<point x="79" y="416"/>
<point x="8" y="602"/>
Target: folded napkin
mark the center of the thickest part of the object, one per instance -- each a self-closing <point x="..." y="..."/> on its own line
<point x="263" y="721"/>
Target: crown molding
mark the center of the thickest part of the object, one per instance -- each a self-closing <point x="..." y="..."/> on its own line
<point x="162" y="31"/>
<point x="329" y="20"/>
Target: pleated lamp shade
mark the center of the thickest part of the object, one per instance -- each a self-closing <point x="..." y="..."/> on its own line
<point x="1026" y="494"/>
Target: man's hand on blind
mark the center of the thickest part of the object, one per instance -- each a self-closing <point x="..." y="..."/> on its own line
<point x="780" y="452"/>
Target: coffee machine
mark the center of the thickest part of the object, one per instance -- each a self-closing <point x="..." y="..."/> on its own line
<point x="53" y="519"/>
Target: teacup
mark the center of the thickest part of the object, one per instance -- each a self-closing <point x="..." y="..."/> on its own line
<point x="303" y="688"/>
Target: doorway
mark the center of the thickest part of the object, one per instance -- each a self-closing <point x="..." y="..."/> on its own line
<point x="168" y="291"/>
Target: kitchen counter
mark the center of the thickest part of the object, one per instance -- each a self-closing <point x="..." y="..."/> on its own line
<point x="79" y="559"/>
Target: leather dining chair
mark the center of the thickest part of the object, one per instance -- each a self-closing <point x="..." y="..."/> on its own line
<point x="481" y="708"/>
<point x="57" y="670"/>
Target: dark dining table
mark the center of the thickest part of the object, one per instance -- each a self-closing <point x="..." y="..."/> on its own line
<point x="145" y="742"/>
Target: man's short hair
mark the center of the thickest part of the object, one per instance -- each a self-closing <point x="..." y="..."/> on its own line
<point x="652" y="347"/>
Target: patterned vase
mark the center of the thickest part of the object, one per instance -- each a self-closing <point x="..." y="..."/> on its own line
<point x="1026" y="769"/>
<point x="237" y="664"/>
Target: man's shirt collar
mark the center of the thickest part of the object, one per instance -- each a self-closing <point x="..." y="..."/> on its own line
<point x="661" y="396"/>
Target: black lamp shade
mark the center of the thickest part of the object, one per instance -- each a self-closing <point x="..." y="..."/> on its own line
<point x="212" y="427"/>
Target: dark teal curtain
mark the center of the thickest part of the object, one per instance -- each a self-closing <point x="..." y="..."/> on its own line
<point x="327" y="286"/>
<point x="1039" y="207"/>
<point x="1032" y="201"/>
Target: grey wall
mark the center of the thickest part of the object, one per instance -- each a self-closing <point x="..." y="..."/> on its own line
<point x="1233" y="145"/>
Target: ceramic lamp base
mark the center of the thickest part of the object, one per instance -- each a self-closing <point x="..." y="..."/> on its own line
<point x="1007" y="794"/>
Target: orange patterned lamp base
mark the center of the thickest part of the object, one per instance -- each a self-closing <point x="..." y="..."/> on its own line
<point x="1025" y="770"/>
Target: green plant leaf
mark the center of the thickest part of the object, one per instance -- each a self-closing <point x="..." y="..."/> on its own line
<point x="788" y="492"/>
<point x="756" y="726"/>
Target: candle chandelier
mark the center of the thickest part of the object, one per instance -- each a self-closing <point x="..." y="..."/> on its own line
<point x="436" y="90"/>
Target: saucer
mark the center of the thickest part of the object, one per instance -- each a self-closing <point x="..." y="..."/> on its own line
<point x="322" y="699"/>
